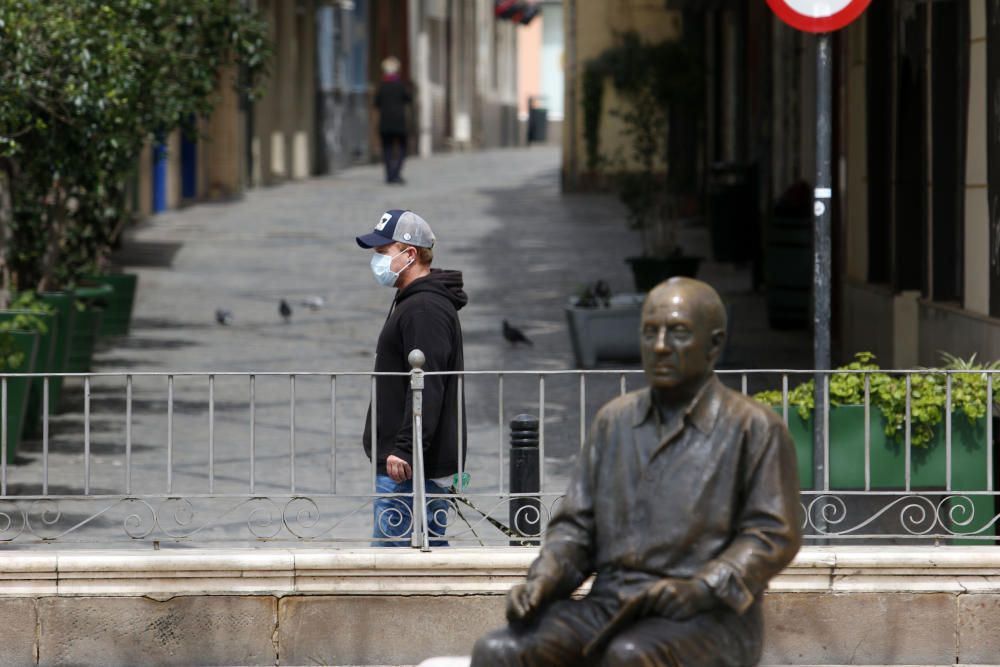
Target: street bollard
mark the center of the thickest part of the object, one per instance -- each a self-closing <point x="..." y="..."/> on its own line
<point x="525" y="512"/>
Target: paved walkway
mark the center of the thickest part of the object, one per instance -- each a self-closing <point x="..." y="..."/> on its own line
<point x="498" y="216"/>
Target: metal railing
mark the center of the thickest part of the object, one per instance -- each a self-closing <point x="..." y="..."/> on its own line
<point x="277" y="457"/>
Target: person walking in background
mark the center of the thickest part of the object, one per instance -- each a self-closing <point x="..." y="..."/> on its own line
<point x="392" y="99"/>
<point x="423" y="316"/>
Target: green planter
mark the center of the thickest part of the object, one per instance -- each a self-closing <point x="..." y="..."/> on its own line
<point x="88" y="325"/>
<point x="63" y="303"/>
<point x="45" y="359"/>
<point x="118" y="312"/>
<point x="81" y="349"/>
<point x="18" y="387"/>
<point x="928" y="465"/>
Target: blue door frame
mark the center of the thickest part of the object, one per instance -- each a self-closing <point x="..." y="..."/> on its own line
<point x="189" y="167"/>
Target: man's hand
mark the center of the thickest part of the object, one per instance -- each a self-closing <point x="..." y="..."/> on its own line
<point x="524" y="600"/>
<point x="398" y="469"/>
<point x="677" y="598"/>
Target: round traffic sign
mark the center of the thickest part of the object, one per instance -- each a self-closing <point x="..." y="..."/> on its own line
<point x="818" y="15"/>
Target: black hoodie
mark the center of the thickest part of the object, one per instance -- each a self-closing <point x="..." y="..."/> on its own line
<point x="424" y="316"/>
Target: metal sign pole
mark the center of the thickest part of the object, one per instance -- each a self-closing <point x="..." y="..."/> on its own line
<point x="821" y="245"/>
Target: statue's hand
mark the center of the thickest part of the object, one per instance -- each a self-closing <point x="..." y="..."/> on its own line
<point x="677" y="598"/>
<point x="524" y="600"/>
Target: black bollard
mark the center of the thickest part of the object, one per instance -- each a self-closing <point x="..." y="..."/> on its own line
<point x="525" y="512"/>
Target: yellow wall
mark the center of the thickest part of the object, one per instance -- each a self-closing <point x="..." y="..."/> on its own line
<point x="594" y="24"/>
<point x="284" y="116"/>
<point x="221" y="144"/>
<point x="145" y="181"/>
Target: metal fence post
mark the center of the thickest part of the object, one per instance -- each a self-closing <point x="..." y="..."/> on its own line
<point x="419" y="538"/>
<point x="525" y="511"/>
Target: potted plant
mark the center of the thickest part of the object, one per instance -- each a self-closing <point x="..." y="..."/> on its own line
<point x="63" y="305"/>
<point x="17" y="355"/>
<point x="117" y="315"/>
<point x="91" y="301"/>
<point x="602" y="326"/>
<point x="887" y="432"/>
<point x="28" y="313"/>
<point x="660" y="86"/>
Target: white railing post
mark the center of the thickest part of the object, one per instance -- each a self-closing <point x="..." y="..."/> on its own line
<point x="419" y="538"/>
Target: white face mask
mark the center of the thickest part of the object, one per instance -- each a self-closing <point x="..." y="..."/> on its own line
<point x="384" y="275"/>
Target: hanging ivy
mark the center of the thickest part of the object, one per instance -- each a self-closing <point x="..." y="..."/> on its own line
<point x="668" y="73"/>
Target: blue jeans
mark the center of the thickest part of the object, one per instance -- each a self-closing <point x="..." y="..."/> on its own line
<point x="393" y="517"/>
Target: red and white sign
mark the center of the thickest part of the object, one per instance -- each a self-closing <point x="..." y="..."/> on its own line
<point x="818" y="15"/>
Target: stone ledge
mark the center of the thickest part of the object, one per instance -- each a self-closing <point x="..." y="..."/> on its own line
<point x="281" y="572"/>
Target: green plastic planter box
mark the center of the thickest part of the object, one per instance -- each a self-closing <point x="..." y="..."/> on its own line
<point x="63" y="303"/>
<point x="118" y="313"/>
<point x="45" y="358"/>
<point x="88" y="324"/>
<point x="928" y="465"/>
<point x="25" y="342"/>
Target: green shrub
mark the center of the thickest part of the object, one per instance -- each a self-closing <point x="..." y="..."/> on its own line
<point x="928" y="395"/>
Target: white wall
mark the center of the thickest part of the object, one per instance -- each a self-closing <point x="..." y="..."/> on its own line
<point x="553" y="77"/>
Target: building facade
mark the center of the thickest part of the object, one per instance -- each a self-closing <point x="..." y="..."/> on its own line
<point x="540" y="75"/>
<point x="916" y="142"/>
<point x="316" y="113"/>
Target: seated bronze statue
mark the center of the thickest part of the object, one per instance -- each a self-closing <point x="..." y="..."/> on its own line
<point x="683" y="504"/>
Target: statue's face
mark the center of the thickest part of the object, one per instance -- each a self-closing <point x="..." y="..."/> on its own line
<point x="677" y="342"/>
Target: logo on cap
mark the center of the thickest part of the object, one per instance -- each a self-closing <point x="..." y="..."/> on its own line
<point x="386" y="217"/>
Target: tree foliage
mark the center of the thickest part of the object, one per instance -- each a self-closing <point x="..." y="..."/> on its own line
<point x="84" y="84"/>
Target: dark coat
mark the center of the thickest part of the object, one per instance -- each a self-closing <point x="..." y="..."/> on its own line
<point x="391" y="100"/>
<point x="424" y="316"/>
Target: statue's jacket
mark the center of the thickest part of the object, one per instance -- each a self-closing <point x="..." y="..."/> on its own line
<point x="715" y="498"/>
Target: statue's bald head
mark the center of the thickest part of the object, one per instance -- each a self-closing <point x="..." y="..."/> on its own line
<point x="681" y="337"/>
<point x="700" y="296"/>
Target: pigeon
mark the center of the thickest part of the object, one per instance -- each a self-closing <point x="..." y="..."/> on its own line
<point x="586" y="298"/>
<point x="514" y="335"/>
<point x="313" y="302"/>
<point x="223" y="316"/>
<point x="285" y="311"/>
<point x="602" y="291"/>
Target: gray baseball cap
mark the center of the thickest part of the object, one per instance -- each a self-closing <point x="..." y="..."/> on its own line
<point x="399" y="225"/>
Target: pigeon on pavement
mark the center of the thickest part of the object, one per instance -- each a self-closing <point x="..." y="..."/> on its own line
<point x="223" y="316"/>
<point x="514" y="335"/>
<point x="313" y="302"/>
<point x="285" y="311"/>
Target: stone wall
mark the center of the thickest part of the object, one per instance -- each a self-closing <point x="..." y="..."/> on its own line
<point x="918" y="605"/>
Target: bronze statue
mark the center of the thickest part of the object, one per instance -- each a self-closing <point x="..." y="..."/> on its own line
<point x="683" y="504"/>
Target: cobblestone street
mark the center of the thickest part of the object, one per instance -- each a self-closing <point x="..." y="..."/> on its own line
<point x="499" y="217"/>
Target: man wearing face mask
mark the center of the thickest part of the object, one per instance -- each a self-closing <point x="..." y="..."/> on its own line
<point x="424" y="316"/>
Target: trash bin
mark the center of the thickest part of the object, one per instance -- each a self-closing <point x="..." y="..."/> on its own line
<point x="538" y="119"/>
<point x="732" y="212"/>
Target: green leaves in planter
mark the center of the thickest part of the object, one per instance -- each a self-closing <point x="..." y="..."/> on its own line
<point x="10" y="358"/>
<point x="845" y="389"/>
<point x="928" y="395"/>
<point x="26" y="321"/>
